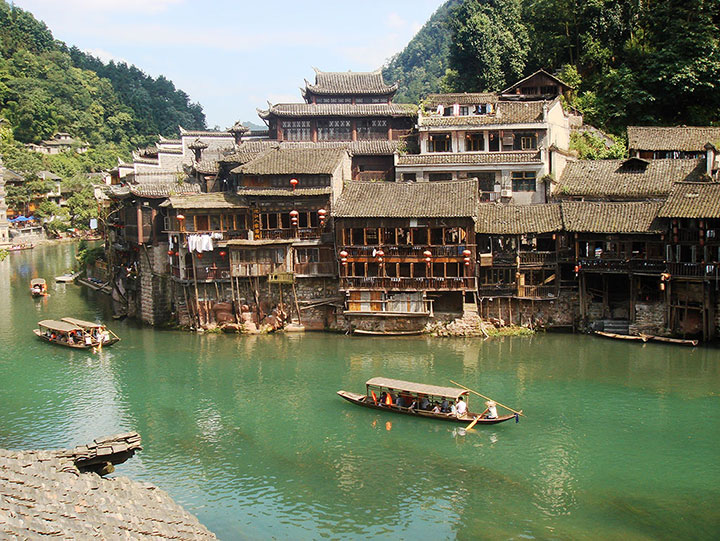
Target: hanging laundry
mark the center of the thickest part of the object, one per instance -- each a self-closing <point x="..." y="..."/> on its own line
<point x="440" y="110"/>
<point x="456" y="109"/>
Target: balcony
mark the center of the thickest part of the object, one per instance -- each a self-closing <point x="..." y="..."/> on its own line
<point x="318" y="268"/>
<point x="245" y="270"/>
<point x="408" y="284"/>
<point x="620" y="265"/>
<point x="538" y="258"/>
<point x="693" y="270"/>
<point x="227" y="234"/>
<point x="293" y="233"/>
<point x="202" y="274"/>
<point x="489" y="197"/>
<point x="497" y="290"/>
<point x="409" y="251"/>
<point x="537" y="292"/>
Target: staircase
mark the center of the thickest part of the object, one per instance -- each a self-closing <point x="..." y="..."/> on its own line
<point x="616" y="326"/>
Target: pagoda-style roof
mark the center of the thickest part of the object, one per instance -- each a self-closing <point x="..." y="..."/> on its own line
<point x="692" y="200"/>
<point x="153" y="190"/>
<point x="203" y="133"/>
<point x="251" y="149"/>
<point x="506" y="112"/>
<point x="680" y="138"/>
<point x="469" y="158"/>
<point x="626" y="179"/>
<point x="312" y="110"/>
<point x="508" y="219"/>
<point x="365" y="199"/>
<point x="611" y="216"/>
<point x="296" y="161"/>
<point x="349" y="83"/>
<point x="313" y="191"/>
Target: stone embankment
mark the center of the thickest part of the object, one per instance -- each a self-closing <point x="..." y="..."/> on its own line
<point x="471" y="325"/>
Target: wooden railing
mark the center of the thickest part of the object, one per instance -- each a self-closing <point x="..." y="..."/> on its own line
<point x="537" y="292"/>
<point x="537" y="258"/>
<point x="202" y="274"/>
<point x="226" y="233"/>
<point x="255" y="269"/>
<point x="692" y="269"/>
<point x="293" y="233"/>
<point x="497" y="290"/>
<point x="327" y="268"/>
<point x="408" y="284"/>
<point x="391" y="306"/>
<point x="623" y="265"/>
<point x="411" y="251"/>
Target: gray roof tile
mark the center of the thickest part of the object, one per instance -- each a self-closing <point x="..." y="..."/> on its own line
<point x="692" y="200"/>
<point x="529" y="112"/>
<point x="303" y="161"/>
<point x="611" y="217"/>
<point x="450" y="199"/>
<point x="349" y="82"/>
<point x="507" y="219"/>
<point x="682" y="138"/>
<point x="296" y="110"/>
<point x="469" y="158"/>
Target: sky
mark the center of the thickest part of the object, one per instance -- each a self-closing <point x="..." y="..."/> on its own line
<point x="233" y="56"/>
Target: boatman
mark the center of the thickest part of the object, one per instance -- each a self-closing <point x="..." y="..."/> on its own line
<point x="461" y="407"/>
<point x="491" y="411"/>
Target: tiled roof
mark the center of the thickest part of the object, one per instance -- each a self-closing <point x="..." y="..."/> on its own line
<point x="302" y="161"/>
<point x="154" y="190"/>
<point x="692" y="200"/>
<point x="611" y="217"/>
<point x="625" y="179"/>
<point x="505" y="219"/>
<point x="348" y="82"/>
<point x="510" y="89"/>
<point x="682" y="138"/>
<point x="203" y="133"/>
<point x="462" y="98"/>
<point x="56" y="494"/>
<point x="295" y="110"/>
<point x="215" y="200"/>
<point x="285" y="192"/>
<point x="251" y="149"/>
<point x="450" y="199"/>
<point x="469" y="158"/>
<point x="515" y="112"/>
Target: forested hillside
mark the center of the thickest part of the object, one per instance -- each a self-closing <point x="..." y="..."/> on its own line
<point x="632" y="61"/>
<point x="45" y="88"/>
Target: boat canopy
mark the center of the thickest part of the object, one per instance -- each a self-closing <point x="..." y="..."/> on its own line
<point x="60" y="326"/>
<point x="37" y="281"/>
<point x="419" y="388"/>
<point x="82" y="323"/>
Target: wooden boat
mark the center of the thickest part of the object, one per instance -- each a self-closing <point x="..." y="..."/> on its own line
<point x="63" y="334"/>
<point x="67" y="277"/>
<point x="387" y="333"/>
<point x="648" y="337"/>
<point x="641" y="337"/>
<point x="375" y="387"/>
<point x="38" y="287"/>
<point x="18" y="247"/>
<point x="99" y="333"/>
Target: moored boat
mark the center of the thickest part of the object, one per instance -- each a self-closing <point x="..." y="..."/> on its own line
<point x="67" y="277"/>
<point x="19" y="247"/>
<point x="398" y="396"/>
<point x="98" y="332"/>
<point x="38" y="287"/>
<point x="63" y="333"/>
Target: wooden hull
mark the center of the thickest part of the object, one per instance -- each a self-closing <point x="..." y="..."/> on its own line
<point x="41" y="294"/>
<point x="387" y="333"/>
<point x="41" y="336"/>
<point x="361" y="400"/>
<point x="647" y="337"/>
<point x="640" y="338"/>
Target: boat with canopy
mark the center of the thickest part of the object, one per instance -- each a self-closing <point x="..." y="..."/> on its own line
<point x="63" y="333"/>
<point x="38" y="287"/>
<point x="99" y="333"/>
<point x="421" y="400"/>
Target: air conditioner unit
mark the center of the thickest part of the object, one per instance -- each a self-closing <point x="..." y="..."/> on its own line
<point x="506" y="192"/>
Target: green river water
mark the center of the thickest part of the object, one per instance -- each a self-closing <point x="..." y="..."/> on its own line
<point x="621" y="440"/>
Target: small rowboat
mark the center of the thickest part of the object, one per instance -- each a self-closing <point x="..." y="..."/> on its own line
<point x="38" y="287"/>
<point x="63" y="334"/>
<point x="97" y="331"/>
<point x="409" y="392"/>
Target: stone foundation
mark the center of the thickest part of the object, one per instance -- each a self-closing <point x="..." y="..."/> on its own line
<point x="562" y="311"/>
<point x="649" y="319"/>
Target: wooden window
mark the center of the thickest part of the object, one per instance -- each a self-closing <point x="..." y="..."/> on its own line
<point x="439" y="142"/>
<point x="334" y="130"/>
<point x="464" y="110"/>
<point x="494" y="141"/>
<point x="372" y="129"/>
<point x="409" y="177"/>
<point x="296" y="130"/>
<point x="201" y="223"/>
<point x="435" y="177"/>
<point x="474" y="142"/>
<point x="523" y="181"/>
<point x="371" y="236"/>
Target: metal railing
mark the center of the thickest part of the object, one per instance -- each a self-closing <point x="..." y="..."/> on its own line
<point x="408" y="284"/>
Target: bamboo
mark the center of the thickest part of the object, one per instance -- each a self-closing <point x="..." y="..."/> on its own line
<point x="297" y="306"/>
<point x="487" y="398"/>
<point x="473" y="423"/>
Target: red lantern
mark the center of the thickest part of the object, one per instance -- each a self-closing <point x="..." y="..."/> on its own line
<point x="170" y="253"/>
<point x="380" y="259"/>
<point x="293" y="182"/>
<point x="427" y="253"/>
<point x="467" y="253"/>
<point x="223" y="253"/>
<point x="467" y="260"/>
<point x="343" y="254"/>
<point x="180" y="217"/>
<point x="199" y="256"/>
<point x="322" y="212"/>
<point x="428" y="260"/>
<point x="467" y="263"/>
<point x="379" y="253"/>
<point x="294" y="213"/>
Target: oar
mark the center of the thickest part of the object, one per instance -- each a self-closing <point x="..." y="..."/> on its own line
<point x="473" y="423"/>
<point x="486" y="398"/>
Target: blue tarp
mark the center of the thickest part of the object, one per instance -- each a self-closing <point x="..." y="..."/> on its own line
<point x="21" y="219"/>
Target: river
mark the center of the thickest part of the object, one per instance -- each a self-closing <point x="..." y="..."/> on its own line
<point x="620" y="440"/>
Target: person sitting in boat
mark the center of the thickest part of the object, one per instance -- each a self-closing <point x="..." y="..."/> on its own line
<point x="491" y="410"/>
<point x="413" y="404"/>
<point x="104" y="336"/>
<point x="400" y="402"/>
<point x="71" y="338"/>
<point x="453" y="409"/>
<point x="88" y="339"/>
<point x="436" y="408"/>
<point x="424" y="403"/>
<point x="383" y="399"/>
<point x="444" y="406"/>
<point x="461" y="407"/>
<point x="37" y="289"/>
